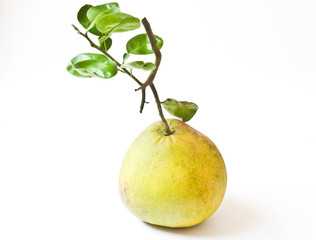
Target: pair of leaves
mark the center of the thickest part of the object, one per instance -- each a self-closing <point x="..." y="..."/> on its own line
<point x="94" y="14"/>
<point x="181" y="109"/>
<point x="105" y="19"/>
<point x="89" y="65"/>
<point x="89" y="15"/>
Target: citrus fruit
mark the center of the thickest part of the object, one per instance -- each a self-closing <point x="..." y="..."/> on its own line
<point x="177" y="180"/>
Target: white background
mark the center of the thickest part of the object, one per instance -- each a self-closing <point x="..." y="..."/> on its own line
<point x="249" y="65"/>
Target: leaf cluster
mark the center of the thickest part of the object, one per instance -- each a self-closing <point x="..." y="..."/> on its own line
<point x="104" y="20"/>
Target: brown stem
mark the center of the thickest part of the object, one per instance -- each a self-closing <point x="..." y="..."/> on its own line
<point x="156" y="50"/>
<point x="164" y="121"/>
<point x="142" y="104"/>
<point x="150" y="79"/>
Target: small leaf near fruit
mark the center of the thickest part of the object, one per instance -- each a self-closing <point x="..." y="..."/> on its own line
<point x="181" y="109"/>
<point x="148" y="66"/>
<point x="140" y="44"/>
<point x="89" y="65"/>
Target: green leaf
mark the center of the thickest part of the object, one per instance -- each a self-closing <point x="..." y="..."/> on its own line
<point x="97" y="68"/>
<point x="82" y="16"/>
<point x="140" y="44"/>
<point x="105" y="42"/>
<point x="89" y="65"/>
<point x="117" y="22"/>
<point x="85" y="22"/>
<point x="125" y="57"/>
<point x="181" y="109"/>
<point x="95" y="13"/>
<point x="148" y="66"/>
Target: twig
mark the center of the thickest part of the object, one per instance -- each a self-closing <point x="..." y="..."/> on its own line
<point x="142" y="104"/>
<point x="150" y="79"/>
<point x="164" y="121"/>
<point x="156" y="50"/>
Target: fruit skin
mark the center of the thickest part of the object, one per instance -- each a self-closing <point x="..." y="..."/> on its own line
<point x="174" y="181"/>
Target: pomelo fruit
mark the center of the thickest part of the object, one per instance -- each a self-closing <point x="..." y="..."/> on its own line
<point x="174" y="181"/>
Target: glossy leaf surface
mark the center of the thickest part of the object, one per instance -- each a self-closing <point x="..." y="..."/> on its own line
<point x="92" y="65"/>
<point x="82" y="16"/>
<point x="85" y="22"/>
<point x="141" y="45"/>
<point x="148" y="66"/>
<point x="117" y="22"/>
<point x="181" y="109"/>
<point x="94" y="14"/>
